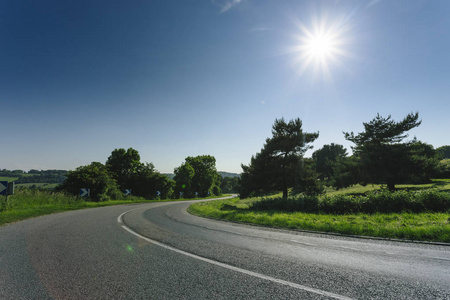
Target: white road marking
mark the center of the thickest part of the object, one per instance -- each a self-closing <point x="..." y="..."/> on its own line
<point x="233" y="268"/>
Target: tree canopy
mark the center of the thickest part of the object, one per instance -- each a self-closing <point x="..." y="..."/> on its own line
<point x="123" y="164"/>
<point x="198" y="175"/>
<point x="325" y="159"/>
<point x="444" y="152"/>
<point x="384" y="157"/>
<point x="94" y="176"/>
<point x="280" y="163"/>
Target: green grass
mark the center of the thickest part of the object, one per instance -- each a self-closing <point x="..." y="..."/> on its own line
<point x="424" y="226"/>
<point x="437" y="184"/>
<point x="38" y="185"/>
<point x="27" y="203"/>
<point x="9" y="179"/>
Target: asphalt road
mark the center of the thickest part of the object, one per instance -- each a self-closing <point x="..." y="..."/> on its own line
<point x="159" y="251"/>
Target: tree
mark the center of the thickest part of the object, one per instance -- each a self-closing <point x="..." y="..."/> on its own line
<point x="325" y="158"/>
<point x="256" y="178"/>
<point x="423" y="163"/>
<point x="123" y="164"/>
<point x="382" y="156"/>
<point x="206" y="179"/>
<point x="444" y="152"/>
<point x="141" y="178"/>
<point x="146" y="181"/>
<point x="184" y="176"/>
<point x="229" y="184"/>
<point x="279" y="164"/>
<point x="346" y="172"/>
<point x="94" y="176"/>
<point x="198" y="175"/>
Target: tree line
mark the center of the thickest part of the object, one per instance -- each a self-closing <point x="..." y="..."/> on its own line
<point x="380" y="156"/>
<point x="196" y="177"/>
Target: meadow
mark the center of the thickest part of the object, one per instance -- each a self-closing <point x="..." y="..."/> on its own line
<point x="414" y="212"/>
<point x="28" y="203"/>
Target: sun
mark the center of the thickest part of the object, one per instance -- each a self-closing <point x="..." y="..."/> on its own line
<point x="320" y="47"/>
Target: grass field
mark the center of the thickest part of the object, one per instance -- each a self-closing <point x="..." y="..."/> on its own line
<point x="9" y="179"/>
<point x="437" y="184"/>
<point x="38" y="184"/>
<point x="27" y="203"/>
<point x="412" y="226"/>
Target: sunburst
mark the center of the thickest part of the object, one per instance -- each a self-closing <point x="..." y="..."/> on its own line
<point x="320" y="47"/>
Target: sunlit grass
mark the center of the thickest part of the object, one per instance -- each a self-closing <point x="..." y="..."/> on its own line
<point x="29" y="203"/>
<point x="425" y="226"/>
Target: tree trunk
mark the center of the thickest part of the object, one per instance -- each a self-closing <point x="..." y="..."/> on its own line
<point x="391" y="186"/>
<point x="284" y="183"/>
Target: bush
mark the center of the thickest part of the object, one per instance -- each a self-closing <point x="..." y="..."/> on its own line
<point x="299" y="203"/>
<point x="373" y="202"/>
<point x="95" y="177"/>
<point x="340" y="204"/>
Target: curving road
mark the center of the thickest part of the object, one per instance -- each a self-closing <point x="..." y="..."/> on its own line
<point x="159" y="251"/>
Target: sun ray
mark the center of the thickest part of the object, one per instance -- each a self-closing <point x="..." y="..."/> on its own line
<point x="320" y="47"/>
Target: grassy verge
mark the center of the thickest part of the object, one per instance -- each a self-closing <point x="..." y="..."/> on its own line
<point x="28" y="203"/>
<point x="412" y="226"/>
<point x="436" y="184"/>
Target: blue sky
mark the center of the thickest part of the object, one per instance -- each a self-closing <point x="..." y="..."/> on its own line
<point x="173" y="79"/>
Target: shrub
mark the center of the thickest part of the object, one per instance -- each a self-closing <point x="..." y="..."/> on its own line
<point x="373" y="202"/>
<point x="339" y="204"/>
<point x="299" y="203"/>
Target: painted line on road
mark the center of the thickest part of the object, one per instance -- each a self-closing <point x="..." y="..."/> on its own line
<point x="233" y="268"/>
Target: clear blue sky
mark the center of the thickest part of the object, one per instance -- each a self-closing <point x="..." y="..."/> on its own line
<point x="173" y="79"/>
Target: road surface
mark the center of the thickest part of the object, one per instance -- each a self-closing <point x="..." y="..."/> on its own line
<point x="159" y="251"/>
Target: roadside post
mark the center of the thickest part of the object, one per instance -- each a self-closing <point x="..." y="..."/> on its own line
<point x="9" y="189"/>
<point x="6" y="188"/>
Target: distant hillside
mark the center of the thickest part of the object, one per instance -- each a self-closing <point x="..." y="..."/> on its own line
<point x="170" y="175"/>
<point x="227" y="174"/>
<point x="221" y="173"/>
<point x="34" y="176"/>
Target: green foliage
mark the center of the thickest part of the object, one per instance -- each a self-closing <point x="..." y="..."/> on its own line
<point x="197" y="175"/>
<point x="298" y="203"/>
<point x="97" y="178"/>
<point x="230" y="184"/>
<point x="145" y="182"/>
<point x="28" y="198"/>
<point x="326" y="157"/>
<point x="444" y="152"/>
<point x="34" y="176"/>
<point x="123" y="165"/>
<point x="280" y="164"/>
<point x="346" y="172"/>
<point x="370" y="203"/>
<point x="382" y="156"/>
<point x="184" y="176"/>
<point x="443" y="169"/>
<point x="141" y="178"/>
<point x="306" y="179"/>
<point x="417" y="226"/>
